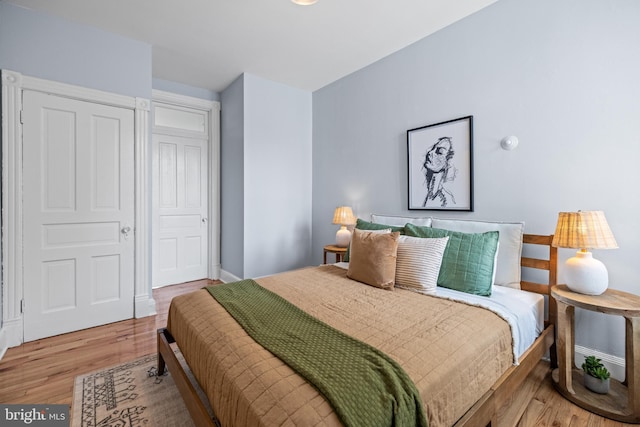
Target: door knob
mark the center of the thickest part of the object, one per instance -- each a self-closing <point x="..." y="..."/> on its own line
<point x="125" y="231"/>
<point x="204" y="220"/>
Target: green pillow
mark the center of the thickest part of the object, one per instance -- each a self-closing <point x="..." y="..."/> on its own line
<point x="366" y="225"/>
<point x="468" y="261"/>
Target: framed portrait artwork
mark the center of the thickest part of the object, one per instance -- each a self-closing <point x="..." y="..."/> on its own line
<point x="441" y="166"/>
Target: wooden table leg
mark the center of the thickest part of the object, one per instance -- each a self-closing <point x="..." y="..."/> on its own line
<point x="324" y="258"/>
<point x="565" y="346"/>
<point x="632" y="362"/>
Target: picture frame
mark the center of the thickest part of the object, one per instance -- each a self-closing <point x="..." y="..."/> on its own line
<point x="440" y="166"/>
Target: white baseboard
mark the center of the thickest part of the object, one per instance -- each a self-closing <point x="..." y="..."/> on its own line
<point x="614" y="364"/>
<point x="227" y="277"/>
<point x="144" y="306"/>
<point x="3" y="343"/>
<point x="11" y="335"/>
<point x="214" y="272"/>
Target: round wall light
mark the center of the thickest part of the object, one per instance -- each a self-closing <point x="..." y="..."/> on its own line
<point x="509" y="142"/>
<point x="304" y="2"/>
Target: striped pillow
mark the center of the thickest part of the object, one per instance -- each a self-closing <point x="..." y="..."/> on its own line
<point x="418" y="262"/>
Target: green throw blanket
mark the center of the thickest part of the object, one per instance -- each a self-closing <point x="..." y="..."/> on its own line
<point x="364" y="386"/>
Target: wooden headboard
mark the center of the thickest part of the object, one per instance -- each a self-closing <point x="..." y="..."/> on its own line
<point x="549" y="264"/>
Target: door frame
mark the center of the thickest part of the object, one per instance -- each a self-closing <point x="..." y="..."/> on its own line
<point x="13" y="84"/>
<point x="213" y="111"/>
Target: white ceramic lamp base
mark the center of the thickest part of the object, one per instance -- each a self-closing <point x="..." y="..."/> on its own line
<point x="343" y="237"/>
<point x="586" y="275"/>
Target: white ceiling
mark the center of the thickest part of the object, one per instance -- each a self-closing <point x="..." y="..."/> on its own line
<point x="209" y="43"/>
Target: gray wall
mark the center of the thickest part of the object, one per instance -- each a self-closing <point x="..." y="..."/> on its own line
<point x="266" y="177"/>
<point x="187" y="90"/>
<point x="232" y="178"/>
<point x="560" y="75"/>
<point x="39" y="45"/>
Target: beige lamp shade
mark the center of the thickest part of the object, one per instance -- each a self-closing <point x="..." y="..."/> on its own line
<point x="584" y="230"/>
<point x="343" y="216"/>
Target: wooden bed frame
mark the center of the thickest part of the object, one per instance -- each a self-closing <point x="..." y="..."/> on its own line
<point x="483" y="413"/>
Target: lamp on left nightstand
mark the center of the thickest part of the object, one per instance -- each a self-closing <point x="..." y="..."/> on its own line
<point x="343" y="216"/>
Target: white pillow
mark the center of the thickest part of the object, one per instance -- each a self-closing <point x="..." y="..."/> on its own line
<point x="418" y="262"/>
<point x="400" y="221"/>
<point x="508" y="269"/>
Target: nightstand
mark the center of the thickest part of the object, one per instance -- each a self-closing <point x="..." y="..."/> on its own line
<point x="338" y="250"/>
<point x="622" y="403"/>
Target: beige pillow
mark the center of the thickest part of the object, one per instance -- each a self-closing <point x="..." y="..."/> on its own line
<point x="419" y="260"/>
<point x="373" y="260"/>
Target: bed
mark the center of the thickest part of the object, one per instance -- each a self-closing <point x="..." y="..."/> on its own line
<point x="480" y="359"/>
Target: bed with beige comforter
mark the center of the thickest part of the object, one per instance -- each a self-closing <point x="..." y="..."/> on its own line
<point x="454" y="352"/>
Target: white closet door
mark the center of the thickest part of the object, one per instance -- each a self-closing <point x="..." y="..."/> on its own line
<point x="180" y="206"/>
<point x="78" y="214"/>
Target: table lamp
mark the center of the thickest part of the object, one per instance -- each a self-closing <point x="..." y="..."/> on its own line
<point x="584" y="230"/>
<point x="343" y="216"/>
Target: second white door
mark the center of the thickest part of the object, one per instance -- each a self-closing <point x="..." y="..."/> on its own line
<point x="180" y="206"/>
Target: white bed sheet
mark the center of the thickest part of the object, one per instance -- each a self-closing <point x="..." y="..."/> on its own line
<point x="524" y="311"/>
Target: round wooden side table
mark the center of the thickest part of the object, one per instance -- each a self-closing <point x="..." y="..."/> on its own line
<point x="338" y="250"/>
<point x="622" y="403"/>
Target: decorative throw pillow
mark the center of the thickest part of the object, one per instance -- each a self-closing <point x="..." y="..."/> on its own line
<point x="467" y="264"/>
<point x="383" y="231"/>
<point x="419" y="261"/>
<point x="366" y="225"/>
<point x="507" y="271"/>
<point x="374" y="258"/>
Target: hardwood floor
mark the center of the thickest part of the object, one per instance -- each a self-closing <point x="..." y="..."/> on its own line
<point x="43" y="371"/>
<point x="548" y="408"/>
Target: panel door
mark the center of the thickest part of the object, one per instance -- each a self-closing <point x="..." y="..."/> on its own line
<point x="78" y="163"/>
<point x="180" y="206"/>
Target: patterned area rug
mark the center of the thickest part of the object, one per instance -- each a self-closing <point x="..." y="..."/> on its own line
<point x="128" y="395"/>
